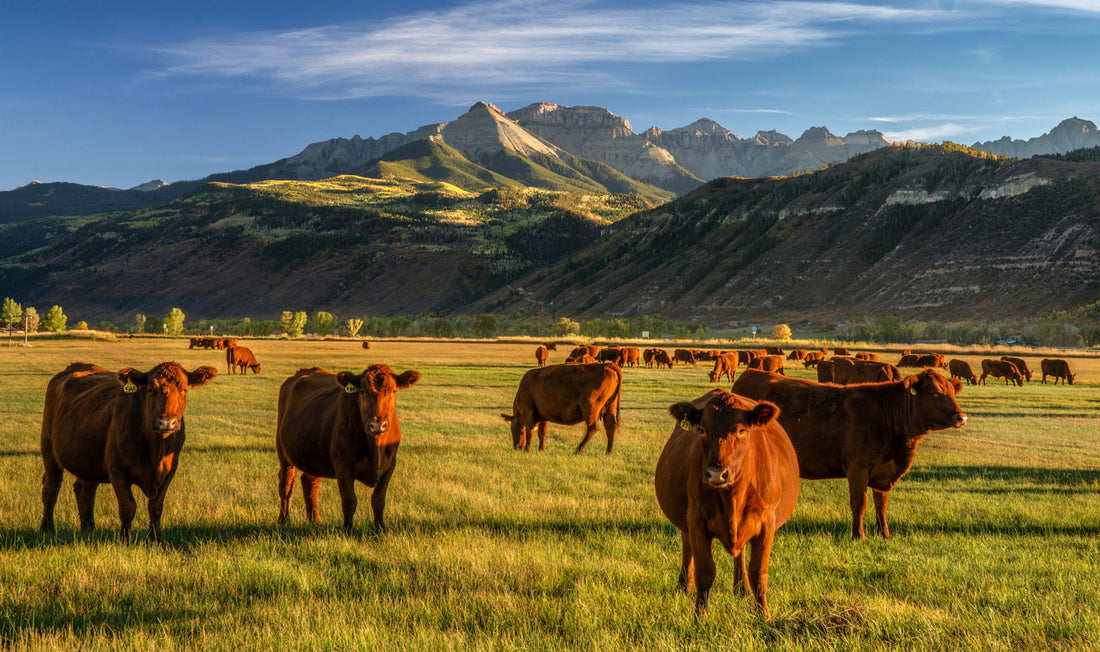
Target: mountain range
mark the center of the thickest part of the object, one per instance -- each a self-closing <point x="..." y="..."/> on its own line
<point x="552" y="208"/>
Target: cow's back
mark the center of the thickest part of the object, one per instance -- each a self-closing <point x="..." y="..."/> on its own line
<point x="307" y="415"/>
<point x="559" y="392"/>
<point x="76" y="419"/>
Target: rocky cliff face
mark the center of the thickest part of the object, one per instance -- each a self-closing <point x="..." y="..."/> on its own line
<point x="1073" y="133"/>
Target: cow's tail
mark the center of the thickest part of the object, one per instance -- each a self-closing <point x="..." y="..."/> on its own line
<point x="617" y="396"/>
<point x="507" y="417"/>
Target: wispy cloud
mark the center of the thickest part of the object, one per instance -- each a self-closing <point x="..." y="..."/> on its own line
<point x="1088" y="6"/>
<point x="517" y="43"/>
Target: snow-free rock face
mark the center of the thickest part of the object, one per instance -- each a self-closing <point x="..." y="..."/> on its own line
<point x="1070" y="134"/>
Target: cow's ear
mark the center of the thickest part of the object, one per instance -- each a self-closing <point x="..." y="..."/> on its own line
<point x="201" y="376"/>
<point x="132" y="379"/>
<point x="910" y="383"/>
<point x="407" y="379"/>
<point x="957" y="384"/>
<point x="764" y="412"/>
<point x="349" y="381"/>
<point x="686" y="414"/>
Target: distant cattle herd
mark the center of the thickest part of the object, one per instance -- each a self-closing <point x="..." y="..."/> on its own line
<point x="730" y="469"/>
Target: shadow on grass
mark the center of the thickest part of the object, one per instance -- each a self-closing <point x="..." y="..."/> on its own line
<point x="976" y="477"/>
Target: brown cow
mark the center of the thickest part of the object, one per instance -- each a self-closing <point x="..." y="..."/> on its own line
<point x="631" y="356"/>
<point x="841" y="351"/>
<point x="725" y="365"/>
<point x="767" y="363"/>
<point x="797" y="354"/>
<point x="124" y="427"/>
<point x="583" y="359"/>
<point x="813" y="358"/>
<point x="849" y="371"/>
<point x="961" y="369"/>
<point x="580" y="351"/>
<point x="1058" y="368"/>
<point x="867" y="433"/>
<point x="541" y="353"/>
<point x="552" y="346"/>
<point x="1021" y="366"/>
<point x="727" y="472"/>
<point x="774" y="350"/>
<point x="647" y="356"/>
<point x="341" y="426"/>
<point x="825" y="371"/>
<point x="366" y="344"/>
<point x="931" y="360"/>
<point x="566" y="394"/>
<point x="612" y="354"/>
<point x="1001" y="369"/>
<point x="866" y="355"/>
<point x="683" y="355"/>
<point x="661" y="357"/>
<point x="196" y="341"/>
<point x="745" y="357"/>
<point x="239" y="356"/>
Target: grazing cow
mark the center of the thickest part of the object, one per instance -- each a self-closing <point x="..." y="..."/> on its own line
<point x="909" y="360"/>
<point x="813" y="358"/>
<point x="825" y="370"/>
<point x="1058" y="368"/>
<point x="341" y="426"/>
<point x="552" y="346"/>
<point x="841" y="351"/>
<point x="541" y="353"/>
<point x="612" y="354"/>
<point x="867" y="433"/>
<point x="631" y="356"/>
<point x="1021" y="366"/>
<point x="566" y="394"/>
<point x="647" y="356"/>
<point x="366" y="344"/>
<point x="865" y="355"/>
<point x="683" y="355"/>
<point x="577" y="353"/>
<point x="725" y="365"/>
<point x="767" y="363"/>
<point x="745" y="357"/>
<point x="239" y="356"/>
<point x="124" y="427"/>
<point x="584" y="359"/>
<point x="661" y="357"/>
<point x="932" y="360"/>
<point x="773" y="350"/>
<point x="849" y="371"/>
<point x="797" y="354"/>
<point x="1001" y="369"/>
<point x="961" y="369"/>
<point x="727" y="472"/>
<point x="196" y="341"/>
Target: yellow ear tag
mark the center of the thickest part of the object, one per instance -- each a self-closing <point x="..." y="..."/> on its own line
<point x="685" y="424"/>
<point x="130" y="387"/>
<point x="350" y="388"/>
<point x="913" y="391"/>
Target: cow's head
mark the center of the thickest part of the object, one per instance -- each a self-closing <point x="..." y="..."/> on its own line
<point x="934" y="404"/>
<point x="724" y="426"/>
<point x="375" y="391"/>
<point x="163" y="393"/>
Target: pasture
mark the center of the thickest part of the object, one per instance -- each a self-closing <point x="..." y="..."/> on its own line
<point x="996" y="527"/>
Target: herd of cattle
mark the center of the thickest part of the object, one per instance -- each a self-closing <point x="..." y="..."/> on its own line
<point x="729" y="471"/>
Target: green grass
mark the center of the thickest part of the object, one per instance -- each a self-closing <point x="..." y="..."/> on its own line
<point x="996" y="529"/>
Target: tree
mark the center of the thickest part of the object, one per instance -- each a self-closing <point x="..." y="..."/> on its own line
<point x="400" y="326"/>
<point x="353" y="326"/>
<point x="30" y="319"/>
<point x="174" y="321"/>
<point x="54" y="320"/>
<point x="485" y="326"/>
<point x="781" y="333"/>
<point x="12" y="313"/>
<point x="139" y="323"/>
<point x="293" y="323"/>
<point x="566" y="326"/>
<point x="324" y="323"/>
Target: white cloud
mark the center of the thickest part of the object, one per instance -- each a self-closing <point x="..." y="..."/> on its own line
<point x="514" y="43"/>
<point x="1088" y="6"/>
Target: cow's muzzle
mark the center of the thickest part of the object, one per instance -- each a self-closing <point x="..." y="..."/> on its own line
<point x="716" y="476"/>
<point x="166" y="425"/>
<point x="960" y="420"/>
<point x="376" y="427"/>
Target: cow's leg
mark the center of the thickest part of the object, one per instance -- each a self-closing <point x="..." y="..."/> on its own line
<point x="286" y="486"/>
<point x="348" y="501"/>
<point x="758" y="568"/>
<point x="588" y="434"/>
<point x="311" y="486"/>
<point x="127" y="506"/>
<point x="542" y="435"/>
<point x="686" y="580"/>
<point x="85" y="503"/>
<point x="378" y="500"/>
<point x="880" y="512"/>
<point x="857" y="495"/>
<point x="610" y="425"/>
<point x="702" y="552"/>
<point x="51" y="486"/>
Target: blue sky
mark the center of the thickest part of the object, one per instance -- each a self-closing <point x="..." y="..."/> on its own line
<point x="119" y="93"/>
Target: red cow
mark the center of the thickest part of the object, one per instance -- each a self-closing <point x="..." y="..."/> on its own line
<point x="1001" y="369"/>
<point x="867" y="433"/>
<point x="631" y="356"/>
<point x="849" y="371"/>
<point x="366" y="344"/>
<point x="745" y="357"/>
<point x="683" y="355"/>
<point x="813" y="358"/>
<point x="909" y="360"/>
<point x="767" y="363"/>
<point x="612" y="354"/>
<point x="725" y="365"/>
<point x="797" y="354"/>
<point x="961" y="369"/>
<point x="841" y="351"/>
<point x="541" y="353"/>
<point x="661" y="357"/>
<point x="931" y="360"/>
<point x="1021" y="366"/>
<point x="566" y="394"/>
<point x="1058" y="368"/>
<point x="239" y="356"/>
<point x="124" y="427"/>
<point x="341" y="426"/>
<point x="825" y="370"/>
<point x="773" y="350"/>
<point x="864" y="355"/>
<point x="727" y="472"/>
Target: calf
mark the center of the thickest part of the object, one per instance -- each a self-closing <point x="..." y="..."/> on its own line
<point x="867" y="433"/>
<point x="727" y="472"/>
<point x="341" y="426"/>
<point x="1058" y="368"/>
<point x="1001" y="369"/>
<point x="239" y="356"/>
<point x="567" y="394"/>
<point x="662" y="358"/>
<point x="124" y="427"/>
<point x="961" y="369"/>
<point x="724" y="365"/>
<point x="541" y="353"/>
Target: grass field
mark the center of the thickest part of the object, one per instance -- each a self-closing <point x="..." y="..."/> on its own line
<point x="996" y="528"/>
